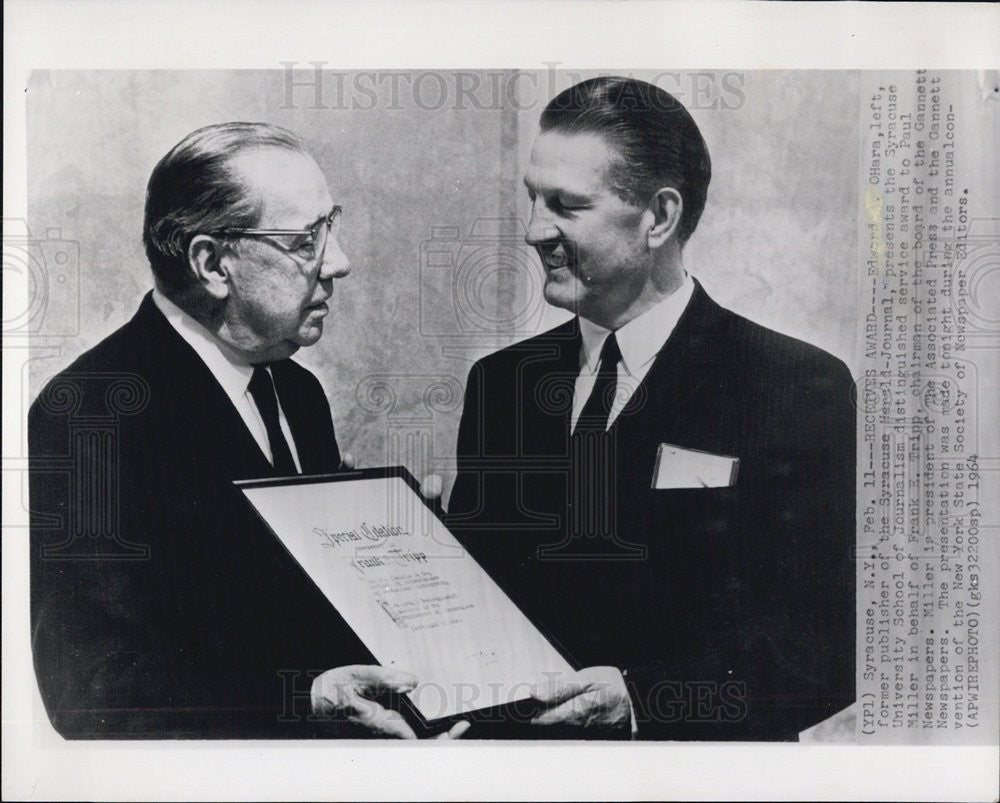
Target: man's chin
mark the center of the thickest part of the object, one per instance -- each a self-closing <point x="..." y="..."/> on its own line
<point x="562" y="293"/>
<point x="280" y="351"/>
<point x="308" y="336"/>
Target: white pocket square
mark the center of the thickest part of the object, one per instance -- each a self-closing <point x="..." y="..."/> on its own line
<point x="677" y="467"/>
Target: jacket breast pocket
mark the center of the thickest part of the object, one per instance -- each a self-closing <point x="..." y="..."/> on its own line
<point x="685" y="513"/>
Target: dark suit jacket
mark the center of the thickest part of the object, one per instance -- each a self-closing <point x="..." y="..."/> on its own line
<point x="160" y="606"/>
<point x="730" y="610"/>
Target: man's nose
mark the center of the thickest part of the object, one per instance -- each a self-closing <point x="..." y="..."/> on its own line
<point x="540" y="226"/>
<point x="335" y="264"/>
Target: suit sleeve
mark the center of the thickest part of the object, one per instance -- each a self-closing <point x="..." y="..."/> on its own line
<point x="480" y="505"/>
<point x="92" y="625"/>
<point x="464" y="499"/>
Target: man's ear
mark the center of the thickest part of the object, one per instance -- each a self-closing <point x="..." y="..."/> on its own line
<point x="205" y="259"/>
<point x="667" y="207"/>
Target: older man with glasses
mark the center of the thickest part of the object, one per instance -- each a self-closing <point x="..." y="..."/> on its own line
<point x="160" y="605"/>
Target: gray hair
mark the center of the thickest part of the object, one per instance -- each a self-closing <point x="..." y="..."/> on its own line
<point x="194" y="189"/>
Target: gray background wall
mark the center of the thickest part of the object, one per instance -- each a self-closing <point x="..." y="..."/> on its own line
<point x="417" y="160"/>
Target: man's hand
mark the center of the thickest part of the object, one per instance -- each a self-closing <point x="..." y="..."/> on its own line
<point x="346" y="693"/>
<point x="594" y="700"/>
<point x="431" y="487"/>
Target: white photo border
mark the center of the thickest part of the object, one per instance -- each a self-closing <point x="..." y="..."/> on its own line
<point x="106" y="34"/>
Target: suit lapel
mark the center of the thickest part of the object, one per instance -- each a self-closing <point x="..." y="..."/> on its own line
<point x="307" y="420"/>
<point x="547" y="374"/>
<point x="668" y="396"/>
<point x="663" y="405"/>
<point x="196" y="399"/>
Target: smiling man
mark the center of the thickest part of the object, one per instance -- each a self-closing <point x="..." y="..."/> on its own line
<point x="160" y="605"/>
<point x="665" y="487"/>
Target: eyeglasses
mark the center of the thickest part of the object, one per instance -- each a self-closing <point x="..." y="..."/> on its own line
<point x="306" y="244"/>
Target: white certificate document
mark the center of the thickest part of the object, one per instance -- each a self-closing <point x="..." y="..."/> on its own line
<point x="412" y="594"/>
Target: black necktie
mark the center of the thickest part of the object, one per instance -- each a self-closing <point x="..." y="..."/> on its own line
<point x="262" y="389"/>
<point x="595" y="413"/>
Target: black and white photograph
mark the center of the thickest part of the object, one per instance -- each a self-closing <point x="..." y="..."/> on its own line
<point x="631" y="414"/>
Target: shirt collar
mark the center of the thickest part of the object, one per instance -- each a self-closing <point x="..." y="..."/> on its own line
<point x="232" y="372"/>
<point x="641" y="339"/>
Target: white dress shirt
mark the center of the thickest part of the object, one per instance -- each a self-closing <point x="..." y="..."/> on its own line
<point x="639" y="341"/>
<point x="230" y="371"/>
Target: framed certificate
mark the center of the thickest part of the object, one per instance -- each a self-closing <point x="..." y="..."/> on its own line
<point x="412" y="594"/>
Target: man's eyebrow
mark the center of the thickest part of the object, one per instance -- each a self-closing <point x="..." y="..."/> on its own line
<point x="536" y="186"/>
<point x="568" y="193"/>
<point x="321" y="219"/>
